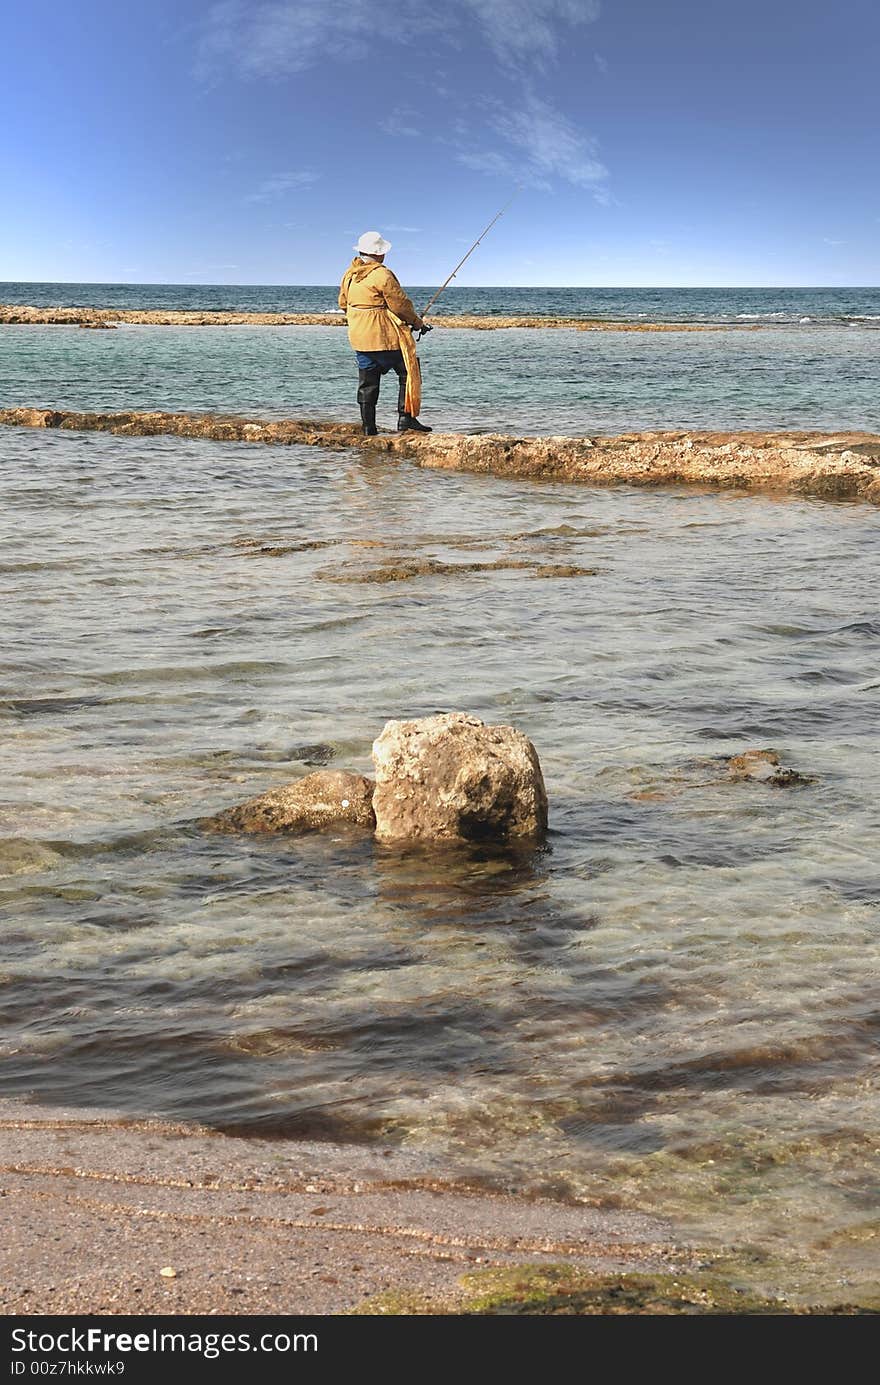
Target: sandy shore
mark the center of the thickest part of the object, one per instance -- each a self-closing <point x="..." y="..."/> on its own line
<point x="20" y="314"/>
<point x="95" y="1206"/>
<point x="833" y="466"/>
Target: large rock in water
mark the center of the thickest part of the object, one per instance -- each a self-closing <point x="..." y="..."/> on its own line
<point x="452" y="778"/>
<point x="315" y="801"/>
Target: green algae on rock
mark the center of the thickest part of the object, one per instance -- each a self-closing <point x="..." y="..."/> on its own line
<point x="565" y="1290"/>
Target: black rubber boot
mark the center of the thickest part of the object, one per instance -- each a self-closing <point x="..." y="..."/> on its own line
<point x="407" y="424"/>
<point x="368" y="397"/>
<point x="401" y="385"/>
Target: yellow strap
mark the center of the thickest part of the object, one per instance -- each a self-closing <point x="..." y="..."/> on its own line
<point x="413" y="401"/>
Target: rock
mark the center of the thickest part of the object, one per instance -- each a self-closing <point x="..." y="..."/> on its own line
<point x="318" y="800"/>
<point x="20" y="857"/>
<point x="402" y="569"/>
<point x="451" y="778"/>
<point x="318" y="754"/>
<point x="186" y="317"/>
<point x="765" y="767"/>
<point x="840" y="466"/>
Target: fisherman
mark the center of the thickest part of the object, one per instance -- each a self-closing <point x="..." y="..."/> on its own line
<point x="380" y="323"/>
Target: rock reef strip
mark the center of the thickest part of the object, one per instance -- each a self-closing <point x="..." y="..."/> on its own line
<point x="831" y="466"/>
<point x="404" y="569"/>
<point x="14" y="314"/>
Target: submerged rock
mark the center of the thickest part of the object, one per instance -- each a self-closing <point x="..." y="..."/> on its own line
<point x="21" y="857"/>
<point x="315" y="801"/>
<point x="318" y="754"/>
<point x="765" y="767"/>
<point x="403" y="569"/>
<point x="659" y="782"/>
<point x="451" y="778"/>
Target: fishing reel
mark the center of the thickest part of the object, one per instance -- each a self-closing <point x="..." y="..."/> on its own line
<point x="425" y="327"/>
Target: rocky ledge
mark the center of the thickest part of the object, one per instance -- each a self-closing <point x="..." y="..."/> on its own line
<point x="833" y="466"/>
<point x="15" y="314"/>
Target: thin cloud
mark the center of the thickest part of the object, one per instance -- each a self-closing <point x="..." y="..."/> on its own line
<point x="275" y="38"/>
<point x="402" y="121"/>
<point x="532" y="142"/>
<point x="528" y="33"/>
<point x="497" y="165"/>
<point x="279" y="184"/>
<point x="552" y="143"/>
<point x="542" y="144"/>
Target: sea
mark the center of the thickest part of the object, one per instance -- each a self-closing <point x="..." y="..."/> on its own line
<point x="786" y="358"/>
<point x="793" y="306"/>
<point x="671" y="1004"/>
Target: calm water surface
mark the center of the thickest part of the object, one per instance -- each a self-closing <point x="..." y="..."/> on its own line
<point x="803" y="307"/>
<point x="516" y="380"/>
<point x="673" y="1005"/>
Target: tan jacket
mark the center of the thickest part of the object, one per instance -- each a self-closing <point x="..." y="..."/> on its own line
<point x="366" y="293"/>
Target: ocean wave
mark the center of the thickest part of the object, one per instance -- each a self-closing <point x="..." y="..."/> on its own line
<point x="799" y="319"/>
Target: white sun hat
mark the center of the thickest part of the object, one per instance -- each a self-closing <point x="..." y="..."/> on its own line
<point x="371" y="243"/>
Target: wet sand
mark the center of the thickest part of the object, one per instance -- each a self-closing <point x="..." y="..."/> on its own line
<point x="95" y="1205"/>
<point x="22" y="315"/>
<point x="832" y="466"/>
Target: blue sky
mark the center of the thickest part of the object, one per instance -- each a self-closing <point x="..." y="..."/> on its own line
<point x="716" y="142"/>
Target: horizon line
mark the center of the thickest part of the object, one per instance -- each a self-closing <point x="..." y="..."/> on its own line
<point x="211" y="284"/>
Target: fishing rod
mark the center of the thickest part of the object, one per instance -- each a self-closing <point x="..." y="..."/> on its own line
<point x="448" y="281"/>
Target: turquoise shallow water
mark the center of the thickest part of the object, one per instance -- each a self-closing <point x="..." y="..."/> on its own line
<point x="673" y="1005"/>
<point x="520" y="380"/>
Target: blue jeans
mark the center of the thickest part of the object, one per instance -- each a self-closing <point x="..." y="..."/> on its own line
<point x="381" y="360"/>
